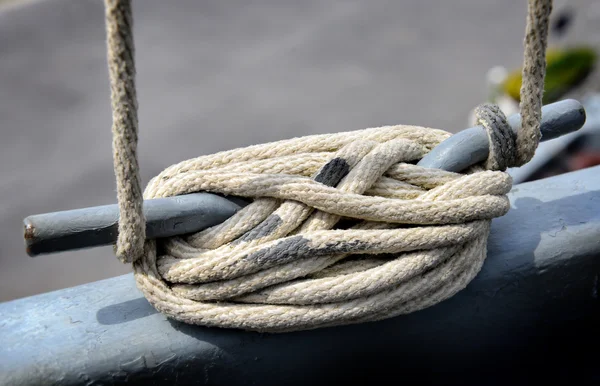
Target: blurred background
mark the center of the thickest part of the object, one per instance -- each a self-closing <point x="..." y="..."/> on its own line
<point x="215" y="75"/>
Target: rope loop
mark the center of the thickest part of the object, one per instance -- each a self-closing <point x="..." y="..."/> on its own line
<point x="502" y="138"/>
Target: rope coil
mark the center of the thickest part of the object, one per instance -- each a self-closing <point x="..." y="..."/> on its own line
<point x="410" y="237"/>
<point x="343" y="228"/>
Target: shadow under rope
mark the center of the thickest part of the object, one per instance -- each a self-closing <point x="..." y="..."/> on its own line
<point x="125" y="312"/>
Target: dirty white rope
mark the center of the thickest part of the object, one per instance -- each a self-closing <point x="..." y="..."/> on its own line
<point x="343" y="228"/>
<point x="121" y="66"/>
<point x="532" y="86"/>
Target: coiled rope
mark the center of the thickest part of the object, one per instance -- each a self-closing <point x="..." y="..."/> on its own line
<point x="342" y="228"/>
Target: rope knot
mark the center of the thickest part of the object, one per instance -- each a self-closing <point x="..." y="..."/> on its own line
<point x="502" y="138"/>
<point x="342" y="228"/>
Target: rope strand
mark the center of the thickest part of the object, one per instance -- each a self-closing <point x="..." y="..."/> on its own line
<point x="534" y="71"/>
<point x="343" y="228"/>
<point x="121" y="66"/>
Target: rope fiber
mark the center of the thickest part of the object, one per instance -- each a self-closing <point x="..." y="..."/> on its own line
<point x="343" y="228"/>
<point x="121" y="66"/>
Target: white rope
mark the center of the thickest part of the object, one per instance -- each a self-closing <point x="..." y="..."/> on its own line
<point x="121" y="66"/>
<point x="286" y="262"/>
<point x="342" y="228"/>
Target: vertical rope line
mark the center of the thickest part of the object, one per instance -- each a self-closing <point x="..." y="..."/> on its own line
<point x="121" y="66"/>
<point x="532" y="86"/>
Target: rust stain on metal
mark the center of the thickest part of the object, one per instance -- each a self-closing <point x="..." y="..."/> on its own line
<point x="29" y="231"/>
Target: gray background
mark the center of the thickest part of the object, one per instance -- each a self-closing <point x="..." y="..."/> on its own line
<point x="215" y="75"/>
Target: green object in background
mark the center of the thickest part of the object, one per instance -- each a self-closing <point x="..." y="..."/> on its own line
<point x="565" y="69"/>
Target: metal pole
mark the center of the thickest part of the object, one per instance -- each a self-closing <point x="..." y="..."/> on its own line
<point x="471" y="146"/>
<point x="90" y="227"/>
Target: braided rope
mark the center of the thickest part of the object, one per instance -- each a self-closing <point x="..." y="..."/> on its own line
<point x="532" y="86"/>
<point x="286" y="262"/>
<point x="121" y="66"/>
<point x="342" y="228"/>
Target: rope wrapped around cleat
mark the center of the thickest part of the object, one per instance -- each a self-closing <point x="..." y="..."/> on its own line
<point x="342" y="228"/>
